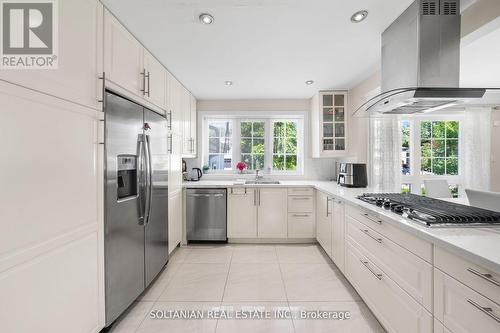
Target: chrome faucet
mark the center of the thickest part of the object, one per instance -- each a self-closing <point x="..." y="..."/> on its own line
<point x="257" y="176"/>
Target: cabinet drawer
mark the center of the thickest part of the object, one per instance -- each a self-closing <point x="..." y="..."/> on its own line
<point x="301" y="191"/>
<point x="461" y="309"/>
<point x="301" y="225"/>
<point x="393" y="307"/>
<point x="417" y="246"/>
<point x="300" y="204"/>
<point x="239" y="190"/>
<point x="410" y="272"/>
<point x="483" y="281"/>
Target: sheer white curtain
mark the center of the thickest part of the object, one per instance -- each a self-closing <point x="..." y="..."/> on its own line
<point x="385" y="154"/>
<point x="476" y="151"/>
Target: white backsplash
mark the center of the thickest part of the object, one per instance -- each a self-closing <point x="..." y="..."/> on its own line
<point x="314" y="169"/>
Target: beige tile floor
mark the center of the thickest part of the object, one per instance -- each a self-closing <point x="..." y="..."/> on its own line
<point x="249" y="277"/>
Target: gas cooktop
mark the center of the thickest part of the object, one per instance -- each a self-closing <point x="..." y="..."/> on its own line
<point x="433" y="212"/>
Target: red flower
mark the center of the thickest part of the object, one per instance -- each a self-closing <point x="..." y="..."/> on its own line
<point x="241" y="166"/>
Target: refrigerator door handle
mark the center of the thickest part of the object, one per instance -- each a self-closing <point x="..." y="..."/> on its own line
<point x="149" y="187"/>
<point x="140" y="178"/>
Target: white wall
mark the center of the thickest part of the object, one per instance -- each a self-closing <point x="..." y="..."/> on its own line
<point x="313" y="168"/>
<point x="495" y="151"/>
<point x="359" y="126"/>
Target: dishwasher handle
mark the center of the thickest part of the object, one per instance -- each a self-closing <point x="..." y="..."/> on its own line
<point x="205" y="195"/>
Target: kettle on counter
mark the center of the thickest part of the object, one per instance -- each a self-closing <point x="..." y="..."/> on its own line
<point x="196" y="174"/>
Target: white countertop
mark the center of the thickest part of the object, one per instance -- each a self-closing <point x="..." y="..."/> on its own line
<point x="479" y="245"/>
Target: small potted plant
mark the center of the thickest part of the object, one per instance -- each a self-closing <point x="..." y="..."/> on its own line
<point x="241" y="166"/>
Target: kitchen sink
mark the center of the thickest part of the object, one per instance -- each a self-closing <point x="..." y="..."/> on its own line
<point x="261" y="182"/>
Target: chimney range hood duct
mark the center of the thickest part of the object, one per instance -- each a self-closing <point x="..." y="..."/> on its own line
<point x="421" y="63"/>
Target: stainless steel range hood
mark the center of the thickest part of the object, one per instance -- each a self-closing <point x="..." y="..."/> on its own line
<point x="421" y="63"/>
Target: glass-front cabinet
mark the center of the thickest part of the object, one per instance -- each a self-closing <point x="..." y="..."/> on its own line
<point x="329" y="124"/>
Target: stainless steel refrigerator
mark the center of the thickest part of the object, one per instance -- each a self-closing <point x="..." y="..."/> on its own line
<point x="136" y="201"/>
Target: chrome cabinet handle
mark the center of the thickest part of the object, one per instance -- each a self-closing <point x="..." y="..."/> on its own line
<point x="143" y="90"/>
<point x="103" y="89"/>
<point x="245" y="193"/>
<point x="255" y="197"/>
<point x="170" y="139"/>
<point x="259" y="196"/>
<point x="366" y="264"/>
<point x="301" y="215"/>
<point x="486" y="276"/>
<point x="169" y="117"/>
<point x="486" y="310"/>
<point x="149" y="84"/>
<point x="371" y="219"/>
<point x="327" y="207"/>
<point x="367" y="232"/>
<point x="301" y="198"/>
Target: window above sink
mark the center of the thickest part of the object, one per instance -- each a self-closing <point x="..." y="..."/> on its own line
<point x="273" y="143"/>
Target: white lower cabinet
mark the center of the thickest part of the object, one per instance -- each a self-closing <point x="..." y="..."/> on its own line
<point x="324" y="222"/>
<point x="242" y="213"/>
<point x="272" y="213"/>
<point x="174" y="220"/>
<point x="301" y="225"/>
<point x="393" y="307"/>
<point x="257" y="213"/>
<point x="461" y="309"/>
<point x="301" y="217"/>
<point x="410" y="272"/>
<point x="338" y="233"/>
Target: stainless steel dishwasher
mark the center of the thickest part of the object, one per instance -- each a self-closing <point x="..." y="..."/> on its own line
<point x="206" y="216"/>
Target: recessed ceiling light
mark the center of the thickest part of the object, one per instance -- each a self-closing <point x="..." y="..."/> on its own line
<point x="309" y="82"/>
<point x="359" y="16"/>
<point x="206" y="18"/>
<point x="228" y="83"/>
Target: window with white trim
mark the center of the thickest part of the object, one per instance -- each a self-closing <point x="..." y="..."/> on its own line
<point x="273" y="143"/>
<point x="219" y="144"/>
<point x="252" y="144"/>
<point x="430" y="149"/>
<point x="285" y="145"/>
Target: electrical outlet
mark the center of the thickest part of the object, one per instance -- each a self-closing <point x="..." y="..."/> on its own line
<point x="496" y="123"/>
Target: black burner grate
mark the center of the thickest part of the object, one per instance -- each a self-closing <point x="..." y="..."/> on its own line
<point x="433" y="211"/>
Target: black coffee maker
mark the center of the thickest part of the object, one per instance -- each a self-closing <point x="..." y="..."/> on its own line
<point x="352" y="175"/>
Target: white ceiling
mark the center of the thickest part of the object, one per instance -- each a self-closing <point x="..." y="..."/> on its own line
<point x="269" y="48"/>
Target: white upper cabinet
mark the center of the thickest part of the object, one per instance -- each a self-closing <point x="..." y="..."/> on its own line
<point x="193" y="125"/>
<point x="329" y="124"/>
<point x="79" y="59"/>
<point x="128" y="65"/>
<point x="156" y="81"/>
<point x="123" y="57"/>
<point x="189" y="123"/>
<point x="174" y="112"/>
